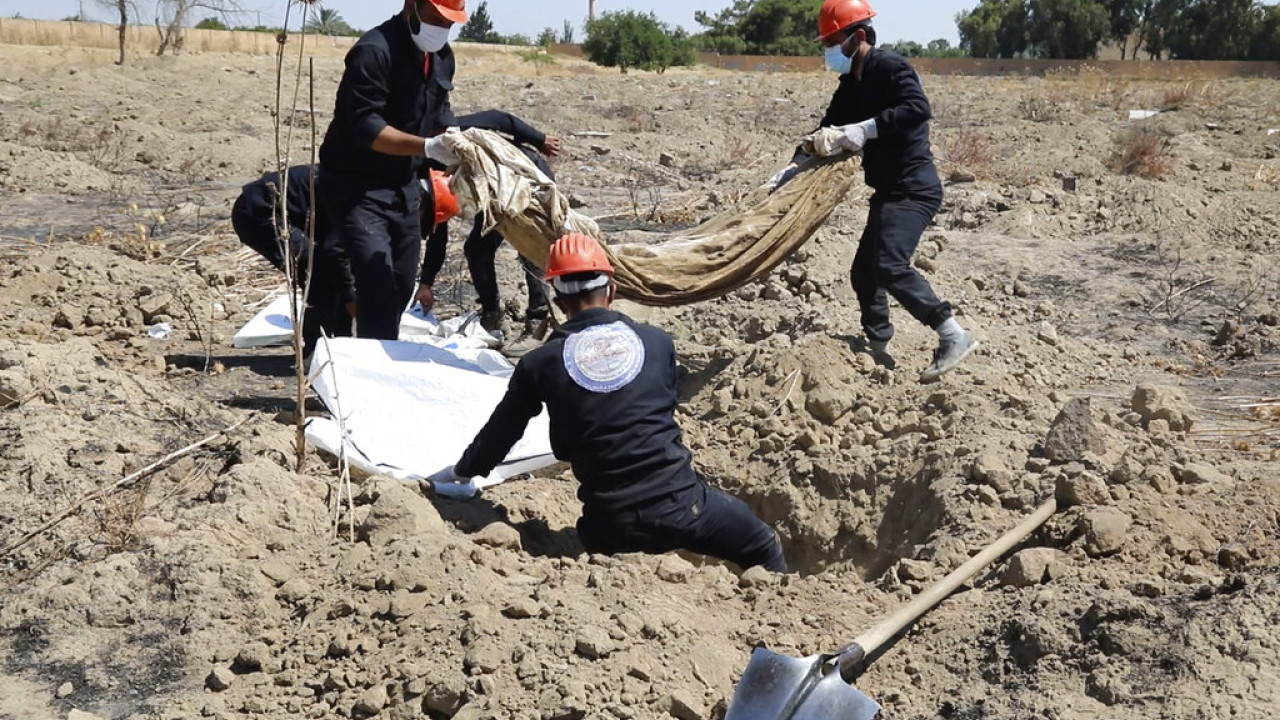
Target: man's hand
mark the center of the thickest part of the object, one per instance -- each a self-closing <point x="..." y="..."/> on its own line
<point x="781" y="177"/>
<point x="448" y="483"/>
<point x="551" y="148"/>
<point x="351" y="308"/>
<point x="856" y="135"/>
<point x="434" y="148"/>
<point x="426" y="297"/>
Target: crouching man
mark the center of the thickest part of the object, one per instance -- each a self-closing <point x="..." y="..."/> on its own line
<point x="609" y="385"/>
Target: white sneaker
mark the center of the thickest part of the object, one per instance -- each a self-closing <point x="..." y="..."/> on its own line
<point x="948" y="356"/>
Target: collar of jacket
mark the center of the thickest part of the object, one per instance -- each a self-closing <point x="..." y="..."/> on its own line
<point x="585" y="319"/>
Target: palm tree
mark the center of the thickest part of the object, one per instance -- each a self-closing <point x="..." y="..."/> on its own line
<point x="328" y="22"/>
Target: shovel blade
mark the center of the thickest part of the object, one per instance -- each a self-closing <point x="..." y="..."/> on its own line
<point x="778" y="687"/>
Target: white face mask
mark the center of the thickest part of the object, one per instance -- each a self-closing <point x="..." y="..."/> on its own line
<point x="837" y="61"/>
<point x="429" y="38"/>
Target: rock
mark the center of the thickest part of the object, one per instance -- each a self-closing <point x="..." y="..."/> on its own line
<point x="446" y="697"/>
<point x="400" y="512"/>
<point x="220" y="679"/>
<point x="406" y="604"/>
<point x="82" y="715"/>
<point x="1031" y="567"/>
<point x="825" y="405"/>
<point x="522" y="608"/>
<point x="1083" y="489"/>
<point x="1107" y="686"/>
<point x="69" y="317"/>
<point x="14" y="387"/>
<point x="1155" y="402"/>
<point x="1047" y="334"/>
<point x="989" y="468"/>
<point x="1037" y="197"/>
<point x="371" y="701"/>
<point x="674" y="569"/>
<point x="64" y="690"/>
<point x="1074" y="433"/>
<point x="593" y="643"/>
<point x="1104" y="531"/>
<point x="758" y="577"/>
<point x="251" y="658"/>
<point x="600" y="150"/>
<point x="294" y="590"/>
<point x="682" y="705"/>
<point x="498" y="535"/>
<point x="666" y="160"/>
<point x="154" y="305"/>
<point x="960" y="176"/>
<point x="1234" y="557"/>
<point x="1202" y="474"/>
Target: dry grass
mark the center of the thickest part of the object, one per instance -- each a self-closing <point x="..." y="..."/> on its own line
<point x="1091" y="86"/>
<point x="966" y="149"/>
<point x="94" y="141"/>
<point x="1142" y="153"/>
<point x="1178" y="97"/>
<point x="1040" y="109"/>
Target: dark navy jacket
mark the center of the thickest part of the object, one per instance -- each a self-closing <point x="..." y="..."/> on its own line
<point x="899" y="159"/>
<point x="624" y="444"/>
<point x="255" y="212"/>
<point x="384" y="84"/>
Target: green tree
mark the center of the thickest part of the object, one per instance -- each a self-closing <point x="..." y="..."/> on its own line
<point x="1069" y="29"/>
<point x="211" y="23"/>
<point x="547" y="37"/>
<point x="1126" y="19"/>
<point x="1266" y="41"/>
<point x="329" y="22"/>
<point x="479" y="27"/>
<point x="566" y="35"/>
<point x="995" y="28"/>
<point x="761" y="27"/>
<point x="1214" y="30"/>
<point x="906" y="48"/>
<point x="635" y="40"/>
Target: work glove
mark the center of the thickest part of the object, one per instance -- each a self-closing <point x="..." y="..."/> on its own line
<point x="447" y="483"/>
<point x="435" y="149"/>
<point x="855" y="136"/>
<point x="824" y="142"/>
<point x="781" y="177"/>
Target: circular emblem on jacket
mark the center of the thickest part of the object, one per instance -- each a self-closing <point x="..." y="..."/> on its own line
<point x="604" y="358"/>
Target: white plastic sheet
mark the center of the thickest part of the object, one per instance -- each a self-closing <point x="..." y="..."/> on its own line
<point x="272" y="327"/>
<point x="412" y="408"/>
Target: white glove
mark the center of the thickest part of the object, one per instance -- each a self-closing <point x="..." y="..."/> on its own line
<point x="781" y="177"/>
<point x="448" y="483"/>
<point x="435" y="149"/>
<point x="856" y="135"/>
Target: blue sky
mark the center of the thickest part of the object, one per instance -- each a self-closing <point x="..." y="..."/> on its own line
<point x="920" y="20"/>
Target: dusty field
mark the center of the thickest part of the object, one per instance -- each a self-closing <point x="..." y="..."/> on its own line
<point x="217" y="588"/>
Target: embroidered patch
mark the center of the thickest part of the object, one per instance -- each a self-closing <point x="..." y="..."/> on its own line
<point x="604" y="358"/>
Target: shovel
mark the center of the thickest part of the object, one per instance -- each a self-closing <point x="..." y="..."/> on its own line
<point x="778" y="687"/>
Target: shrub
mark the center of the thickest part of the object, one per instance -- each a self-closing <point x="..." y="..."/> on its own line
<point x="1142" y="153"/>
<point x="636" y="40"/>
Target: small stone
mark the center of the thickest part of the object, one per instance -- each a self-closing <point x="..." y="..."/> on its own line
<point x="1202" y="474"/>
<point x="251" y="658"/>
<point x="600" y="150"/>
<point x="1074" y="433"/>
<point x="446" y="697"/>
<point x="1234" y="557"/>
<point x="684" y="706"/>
<point x="154" y="305"/>
<point x="1047" y="334"/>
<point x="1083" y="489"/>
<point x="82" y="715"/>
<point x="69" y="317"/>
<point x="990" y="469"/>
<point x="593" y="643"/>
<point x="371" y="701"/>
<point x="666" y="160"/>
<point x="674" y="569"/>
<point x="220" y="679"/>
<point x="14" y="387"/>
<point x="758" y="577"/>
<point x="1155" y="402"/>
<point x="1032" y="566"/>
<point x="522" y="608"/>
<point x="1037" y="197"/>
<point x="64" y="690"/>
<point x="1104" y="531"/>
<point x="405" y="604"/>
<point x="498" y="535"/>
<point x="294" y="590"/>
<point x="961" y="176"/>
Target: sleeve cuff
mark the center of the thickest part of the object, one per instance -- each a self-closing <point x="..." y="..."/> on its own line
<point x="871" y="128"/>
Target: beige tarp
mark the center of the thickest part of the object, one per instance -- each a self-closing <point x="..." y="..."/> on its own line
<point x="705" y="262"/>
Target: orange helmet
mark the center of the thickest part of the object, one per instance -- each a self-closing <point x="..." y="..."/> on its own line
<point x="452" y="10"/>
<point x="446" y="201"/>
<point x="837" y="15"/>
<point x="576" y="253"/>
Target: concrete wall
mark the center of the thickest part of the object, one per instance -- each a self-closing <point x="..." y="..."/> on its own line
<point x="1136" y="69"/>
<point x="141" y="38"/>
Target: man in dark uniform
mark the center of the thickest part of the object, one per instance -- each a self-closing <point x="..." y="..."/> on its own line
<point x="881" y="111"/>
<point x="481" y="248"/>
<point x="609" y="385"/>
<point x="255" y="216"/>
<point x="393" y="99"/>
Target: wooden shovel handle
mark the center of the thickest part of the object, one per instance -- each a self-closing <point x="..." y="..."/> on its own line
<point x="867" y="643"/>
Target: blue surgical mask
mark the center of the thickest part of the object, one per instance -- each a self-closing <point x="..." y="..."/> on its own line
<point x="837" y="61"/>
